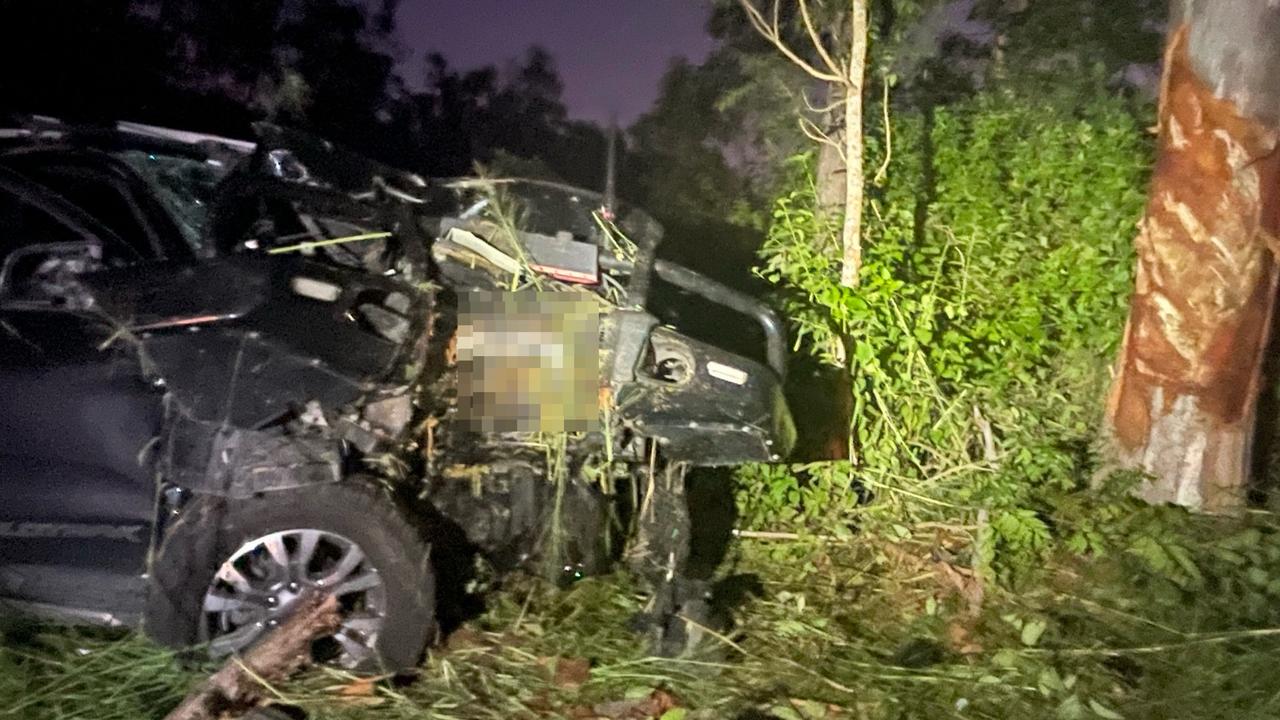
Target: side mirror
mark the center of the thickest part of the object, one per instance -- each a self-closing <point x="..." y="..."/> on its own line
<point x="45" y="276"/>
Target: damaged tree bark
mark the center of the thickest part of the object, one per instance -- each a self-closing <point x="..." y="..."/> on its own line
<point x="1182" y="406"/>
<point x="238" y="685"/>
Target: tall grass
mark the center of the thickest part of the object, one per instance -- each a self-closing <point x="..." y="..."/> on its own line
<point x="866" y="629"/>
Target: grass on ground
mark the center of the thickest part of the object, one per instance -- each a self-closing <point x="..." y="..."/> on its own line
<point x="856" y="629"/>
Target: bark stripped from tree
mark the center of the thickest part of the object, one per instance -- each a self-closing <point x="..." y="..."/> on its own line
<point x="1183" y="403"/>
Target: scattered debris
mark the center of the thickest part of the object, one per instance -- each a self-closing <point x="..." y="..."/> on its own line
<point x="243" y="680"/>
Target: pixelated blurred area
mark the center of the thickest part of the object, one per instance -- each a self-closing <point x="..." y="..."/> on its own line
<point x="528" y="361"/>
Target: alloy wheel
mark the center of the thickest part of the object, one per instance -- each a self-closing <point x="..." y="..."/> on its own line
<point x="262" y="582"/>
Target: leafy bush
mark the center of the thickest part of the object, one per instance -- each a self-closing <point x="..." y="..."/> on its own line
<point x="997" y="271"/>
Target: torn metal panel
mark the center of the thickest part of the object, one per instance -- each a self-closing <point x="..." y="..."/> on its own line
<point x="706" y="406"/>
<point x="159" y="296"/>
<point x="237" y="341"/>
<point x="214" y="458"/>
<point x="390" y="414"/>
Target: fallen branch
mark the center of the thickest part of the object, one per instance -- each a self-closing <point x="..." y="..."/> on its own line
<point x="241" y="682"/>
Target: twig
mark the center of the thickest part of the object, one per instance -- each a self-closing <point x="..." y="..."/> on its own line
<point x="771" y="535"/>
<point x="878" y="180"/>
<point x="771" y="30"/>
<point x="816" y="134"/>
<point x="331" y="241"/>
<point x="818" y="44"/>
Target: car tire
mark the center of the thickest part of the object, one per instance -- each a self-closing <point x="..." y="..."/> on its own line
<point x="211" y="531"/>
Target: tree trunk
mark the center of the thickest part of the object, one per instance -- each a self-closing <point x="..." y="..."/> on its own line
<point x="830" y="170"/>
<point x="851" y="232"/>
<point x="1183" y="403"/>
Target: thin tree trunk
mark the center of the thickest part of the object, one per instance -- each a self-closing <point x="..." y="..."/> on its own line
<point x="830" y="170"/>
<point x="1183" y="403"/>
<point x="851" y="232"/>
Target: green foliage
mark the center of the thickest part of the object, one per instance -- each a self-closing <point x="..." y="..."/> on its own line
<point x="818" y="500"/>
<point x="848" y="632"/>
<point x="1051" y="42"/>
<point x="997" y="269"/>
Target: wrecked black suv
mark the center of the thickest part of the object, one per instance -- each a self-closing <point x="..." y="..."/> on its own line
<point x="234" y="374"/>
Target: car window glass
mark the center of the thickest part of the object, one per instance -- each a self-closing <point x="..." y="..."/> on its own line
<point x="54" y="254"/>
<point x="101" y="198"/>
<point x="23" y="224"/>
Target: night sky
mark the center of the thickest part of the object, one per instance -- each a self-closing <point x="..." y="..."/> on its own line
<point x="611" y="54"/>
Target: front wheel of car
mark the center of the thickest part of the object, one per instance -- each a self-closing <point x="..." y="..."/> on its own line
<point x="228" y="571"/>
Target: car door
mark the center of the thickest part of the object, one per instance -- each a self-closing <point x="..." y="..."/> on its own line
<point x="77" y="417"/>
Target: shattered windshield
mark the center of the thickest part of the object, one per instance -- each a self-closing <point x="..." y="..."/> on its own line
<point x="184" y="186"/>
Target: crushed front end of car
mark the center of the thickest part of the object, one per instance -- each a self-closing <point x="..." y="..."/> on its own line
<point x="576" y="502"/>
<point x="474" y="362"/>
